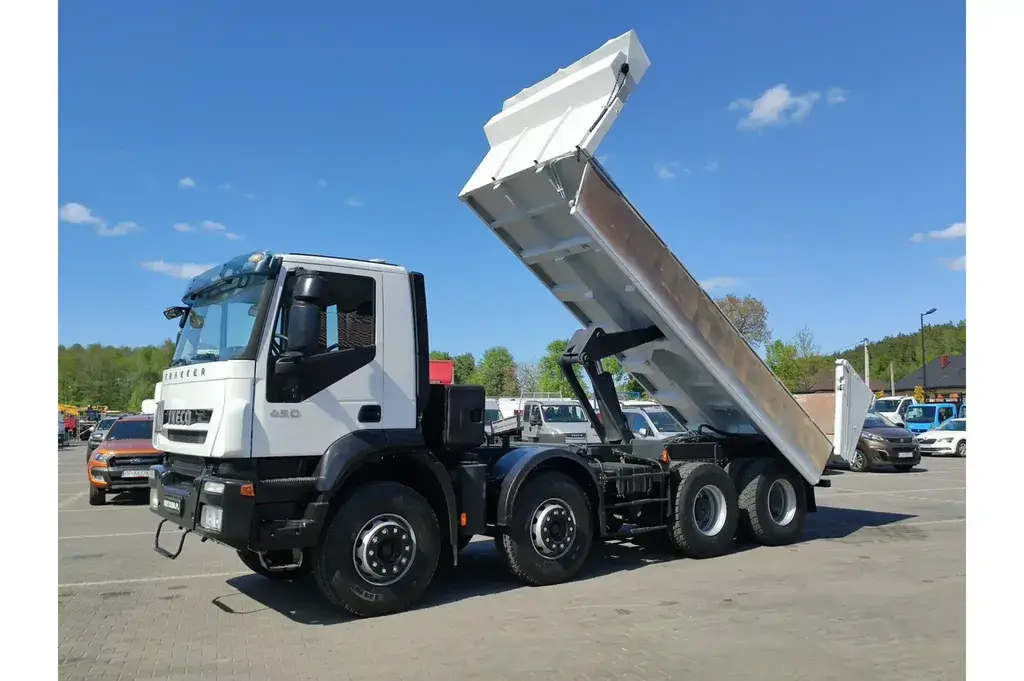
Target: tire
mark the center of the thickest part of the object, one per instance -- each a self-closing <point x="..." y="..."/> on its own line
<point x="555" y="503"/>
<point x="737" y="467"/>
<point x="97" y="497"/>
<point x="861" y="461"/>
<point x="961" y="448"/>
<point x="773" y="504"/>
<point x="378" y="511"/>
<point x="252" y="561"/>
<point x="705" y="512"/>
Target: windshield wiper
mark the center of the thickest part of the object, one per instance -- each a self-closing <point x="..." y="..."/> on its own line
<point x="179" y="362"/>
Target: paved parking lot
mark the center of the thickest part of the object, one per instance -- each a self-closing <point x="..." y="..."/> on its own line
<point x="876" y="592"/>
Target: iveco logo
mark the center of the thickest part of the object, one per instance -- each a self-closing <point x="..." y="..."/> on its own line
<point x="285" y="414"/>
<point x="178" y="417"/>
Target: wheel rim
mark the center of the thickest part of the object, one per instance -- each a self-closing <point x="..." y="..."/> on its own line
<point x="552" y="529"/>
<point x="384" y="549"/>
<point x="782" y="502"/>
<point x="858" y="460"/>
<point x="961" y="449"/>
<point x="709" y="510"/>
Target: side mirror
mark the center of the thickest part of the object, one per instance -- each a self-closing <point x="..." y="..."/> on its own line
<point x="303" y="330"/>
<point x="643" y="432"/>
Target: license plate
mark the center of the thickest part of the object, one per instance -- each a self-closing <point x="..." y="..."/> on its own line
<point x="906" y="455"/>
<point x="172" y="504"/>
<point x="147" y="473"/>
<point x="574" y="436"/>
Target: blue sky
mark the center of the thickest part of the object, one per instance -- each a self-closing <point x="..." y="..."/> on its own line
<point x="348" y="129"/>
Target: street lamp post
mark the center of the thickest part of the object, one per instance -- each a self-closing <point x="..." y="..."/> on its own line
<point x="924" y="368"/>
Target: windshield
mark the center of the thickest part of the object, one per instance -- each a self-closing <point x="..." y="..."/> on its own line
<point x="920" y="414"/>
<point x="132" y="430"/>
<point x="564" y="413"/>
<point x="105" y="424"/>
<point x="876" y="421"/>
<point x="491" y="415"/>
<point x="885" y="405"/>
<point x="954" y="424"/>
<point x="963" y="411"/>
<point x="221" y="321"/>
<point x="664" y="422"/>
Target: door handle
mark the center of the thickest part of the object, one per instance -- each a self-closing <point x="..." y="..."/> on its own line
<point x="369" y="413"/>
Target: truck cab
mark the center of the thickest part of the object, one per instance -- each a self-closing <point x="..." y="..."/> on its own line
<point x="556" y="420"/>
<point x="893" y="408"/>
<point x="920" y="418"/>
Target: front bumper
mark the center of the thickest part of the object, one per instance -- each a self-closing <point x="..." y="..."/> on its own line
<point x="895" y="455"/>
<point x="938" y="448"/>
<point x="249" y="513"/>
<point x="118" y="477"/>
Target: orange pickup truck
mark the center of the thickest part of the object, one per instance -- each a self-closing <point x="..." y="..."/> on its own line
<point x="123" y="460"/>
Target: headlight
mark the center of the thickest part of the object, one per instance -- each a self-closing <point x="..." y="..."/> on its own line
<point x="213" y="487"/>
<point x="946" y="439"/>
<point x="211" y="517"/>
<point x="100" y="457"/>
<point x="872" y="436"/>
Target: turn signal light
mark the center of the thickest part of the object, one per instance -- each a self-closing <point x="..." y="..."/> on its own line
<point x="664" y="456"/>
<point x="248" y="490"/>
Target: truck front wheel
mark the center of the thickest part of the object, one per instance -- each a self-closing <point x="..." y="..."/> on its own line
<point x="380" y="550"/>
<point x="773" y="504"/>
<point x="551" y="532"/>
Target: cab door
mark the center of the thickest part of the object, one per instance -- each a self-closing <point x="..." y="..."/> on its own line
<point x="338" y="390"/>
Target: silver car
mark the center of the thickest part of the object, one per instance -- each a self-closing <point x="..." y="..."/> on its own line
<point x="98" y="433"/>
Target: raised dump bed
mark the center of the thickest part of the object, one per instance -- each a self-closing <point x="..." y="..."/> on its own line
<point x="544" y="194"/>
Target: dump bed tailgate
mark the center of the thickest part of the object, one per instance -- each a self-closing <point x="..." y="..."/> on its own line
<point x="548" y="199"/>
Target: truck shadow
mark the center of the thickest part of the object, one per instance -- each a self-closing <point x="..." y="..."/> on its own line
<point x="481" y="573"/>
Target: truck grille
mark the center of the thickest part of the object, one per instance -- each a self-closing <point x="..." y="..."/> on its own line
<point x="192" y="437"/>
<point x="136" y="460"/>
<point x="929" y="441"/>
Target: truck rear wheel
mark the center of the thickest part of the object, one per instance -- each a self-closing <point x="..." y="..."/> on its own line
<point x="551" y="532"/>
<point x="252" y="561"/>
<point x="705" y="513"/>
<point x="379" y="553"/>
<point x="773" y="504"/>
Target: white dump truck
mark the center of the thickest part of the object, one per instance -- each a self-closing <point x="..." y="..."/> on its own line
<point x="310" y="440"/>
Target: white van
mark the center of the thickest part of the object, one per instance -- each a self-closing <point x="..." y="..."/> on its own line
<point x="652" y="422"/>
<point x="556" y="419"/>
<point x="893" y="408"/>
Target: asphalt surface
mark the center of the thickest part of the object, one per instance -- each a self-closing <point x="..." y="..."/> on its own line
<point x="876" y="591"/>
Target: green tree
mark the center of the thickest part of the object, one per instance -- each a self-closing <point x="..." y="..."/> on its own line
<point x="117" y="377"/>
<point x="749" y="315"/>
<point x="465" y="365"/>
<point x="550" y="378"/>
<point x="496" y="372"/>
<point x="440" y="354"/>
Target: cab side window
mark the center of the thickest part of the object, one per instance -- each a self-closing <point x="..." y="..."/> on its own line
<point x="945" y="413"/>
<point x="347" y="338"/>
<point x="636" y="422"/>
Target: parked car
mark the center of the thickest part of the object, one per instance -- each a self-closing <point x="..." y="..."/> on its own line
<point x="883" y="443"/>
<point x="920" y="418"/>
<point x="652" y="422"/>
<point x="98" y="433"/>
<point x="963" y="410"/>
<point x="949" y="438"/>
<point x="124" y="459"/>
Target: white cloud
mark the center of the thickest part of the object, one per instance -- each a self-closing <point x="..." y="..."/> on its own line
<point x="321" y="182"/>
<point x="668" y="171"/>
<point x="225" y="186"/>
<point x="603" y="158"/>
<point x="120" y="229"/>
<point x="776" y="106"/>
<point x="183" y="227"/>
<point x="183" y="270"/>
<point x="232" y="236"/>
<point x="213" y="226"/>
<point x="77" y="214"/>
<point x="957" y="230"/>
<point x="955" y="264"/>
<point x="712" y="166"/>
<point x="836" y="95"/>
<point x="186" y="183"/>
<point x="719" y="283"/>
<point x="354" y="203"/>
